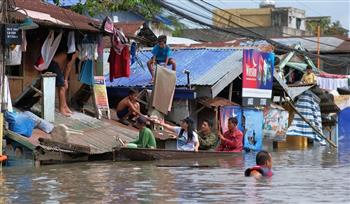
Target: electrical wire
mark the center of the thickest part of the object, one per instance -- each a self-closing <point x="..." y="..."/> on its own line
<point x="212" y="5"/>
<point x="278" y="45"/>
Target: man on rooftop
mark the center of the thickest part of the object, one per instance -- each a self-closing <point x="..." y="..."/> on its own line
<point x="161" y="55"/>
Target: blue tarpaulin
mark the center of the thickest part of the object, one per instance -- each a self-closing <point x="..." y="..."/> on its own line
<point x="344" y="130"/>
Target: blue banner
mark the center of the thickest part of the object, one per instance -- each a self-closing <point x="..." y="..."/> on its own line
<point x="254" y="122"/>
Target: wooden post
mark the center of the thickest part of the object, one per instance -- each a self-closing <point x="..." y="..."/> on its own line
<point x="230" y="92"/>
<point x="318" y="45"/>
<point x="2" y="74"/>
<point x="48" y="96"/>
<point x="216" y="122"/>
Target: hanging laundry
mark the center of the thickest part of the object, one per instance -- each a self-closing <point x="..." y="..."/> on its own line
<point x="100" y="45"/>
<point x="48" y="51"/>
<point x="121" y="36"/>
<point x="117" y="44"/>
<point x="133" y="49"/>
<point x="332" y="83"/>
<point x="87" y="73"/>
<point x="71" y="42"/>
<point x="87" y="49"/>
<point x="7" y="102"/>
<point x="119" y="64"/>
<point x="14" y="56"/>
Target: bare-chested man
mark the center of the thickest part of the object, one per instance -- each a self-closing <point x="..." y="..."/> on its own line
<point x="128" y="107"/>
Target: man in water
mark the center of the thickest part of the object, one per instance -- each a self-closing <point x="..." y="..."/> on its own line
<point x="232" y="139"/>
<point x="146" y="138"/>
<point x="207" y="139"/>
<point x="263" y="166"/>
<point x="128" y="107"/>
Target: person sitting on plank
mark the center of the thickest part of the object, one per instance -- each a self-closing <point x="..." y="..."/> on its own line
<point x="128" y="107"/>
<point x="146" y="138"/>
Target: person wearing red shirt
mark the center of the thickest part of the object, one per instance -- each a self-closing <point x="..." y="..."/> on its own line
<point x="232" y="139"/>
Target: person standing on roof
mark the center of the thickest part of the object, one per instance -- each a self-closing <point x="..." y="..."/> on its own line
<point x="161" y="55"/>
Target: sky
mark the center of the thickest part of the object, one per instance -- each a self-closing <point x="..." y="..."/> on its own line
<point x="337" y="9"/>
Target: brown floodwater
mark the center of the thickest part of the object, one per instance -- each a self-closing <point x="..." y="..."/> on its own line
<point x="317" y="175"/>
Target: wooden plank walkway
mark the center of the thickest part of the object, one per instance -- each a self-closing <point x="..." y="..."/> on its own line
<point x="99" y="135"/>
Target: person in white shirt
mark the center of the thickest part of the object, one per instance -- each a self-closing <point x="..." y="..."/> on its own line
<point x="187" y="138"/>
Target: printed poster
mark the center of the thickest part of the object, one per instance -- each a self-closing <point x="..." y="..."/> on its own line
<point x="257" y="78"/>
<point x="230" y="111"/>
<point x="253" y="135"/>
<point x="276" y="123"/>
<point x="100" y="93"/>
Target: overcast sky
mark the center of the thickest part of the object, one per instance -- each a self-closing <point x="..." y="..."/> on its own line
<point x="337" y="9"/>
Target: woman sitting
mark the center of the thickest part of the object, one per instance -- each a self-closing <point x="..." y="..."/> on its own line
<point x="187" y="138"/>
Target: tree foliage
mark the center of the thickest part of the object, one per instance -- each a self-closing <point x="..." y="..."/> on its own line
<point x="327" y="28"/>
<point x="146" y="8"/>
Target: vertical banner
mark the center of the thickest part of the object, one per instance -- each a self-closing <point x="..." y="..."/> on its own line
<point x="100" y="93"/>
<point x="253" y="135"/>
<point x="227" y="112"/>
<point x="257" y="78"/>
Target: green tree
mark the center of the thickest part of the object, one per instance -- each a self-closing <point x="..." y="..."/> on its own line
<point x="336" y="29"/>
<point x="146" y="8"/>
<point x="324" y="25"/>
<point x="327" y="28"/>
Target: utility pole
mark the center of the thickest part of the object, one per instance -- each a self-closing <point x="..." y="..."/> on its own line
<point x="3" y="10"/>
<point x="318" y="44"/>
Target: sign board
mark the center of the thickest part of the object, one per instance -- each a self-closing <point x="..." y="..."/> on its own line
<point x="257" y="78"/>
<point x="275" y="123"/>
<point x="12" y="34"/>
<point x="100" y="97"/>
<point x="253" y="132"/>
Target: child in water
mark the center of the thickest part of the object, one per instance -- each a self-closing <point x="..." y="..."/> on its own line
<point x="263" y="166"/>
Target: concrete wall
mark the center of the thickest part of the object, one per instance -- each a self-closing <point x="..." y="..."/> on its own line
<point x="179" y="111"/>
<point x="264" y="17"/>
<point x="260" y="16"/>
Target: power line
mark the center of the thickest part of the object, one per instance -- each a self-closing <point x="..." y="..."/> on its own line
<point x="258" y="36"/>
<point x="261" y="25"/>
<point x="272" y="42"/>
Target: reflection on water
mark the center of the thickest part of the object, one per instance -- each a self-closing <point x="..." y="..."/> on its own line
<point x="300" y="176"/>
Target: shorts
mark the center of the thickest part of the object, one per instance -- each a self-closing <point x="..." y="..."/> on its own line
<point x="121" y="114"/>
<point x="162" y="61"/>
<point x="55" y="68"/>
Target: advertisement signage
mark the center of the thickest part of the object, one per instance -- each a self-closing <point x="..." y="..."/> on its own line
<point x="257" y="78"/>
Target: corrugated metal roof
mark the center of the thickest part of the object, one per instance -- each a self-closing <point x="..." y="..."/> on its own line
<point x="206" y="65"/>
<point x="310" y="43"/>
<point x="51" y="15"/>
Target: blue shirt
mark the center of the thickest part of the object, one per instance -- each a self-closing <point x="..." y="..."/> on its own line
<point x="161" y="53"/>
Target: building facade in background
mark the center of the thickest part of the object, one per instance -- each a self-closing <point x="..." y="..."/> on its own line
<point x="268" y="20"/>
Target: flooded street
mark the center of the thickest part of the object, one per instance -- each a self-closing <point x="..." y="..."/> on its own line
<point x="300" y="176"/>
